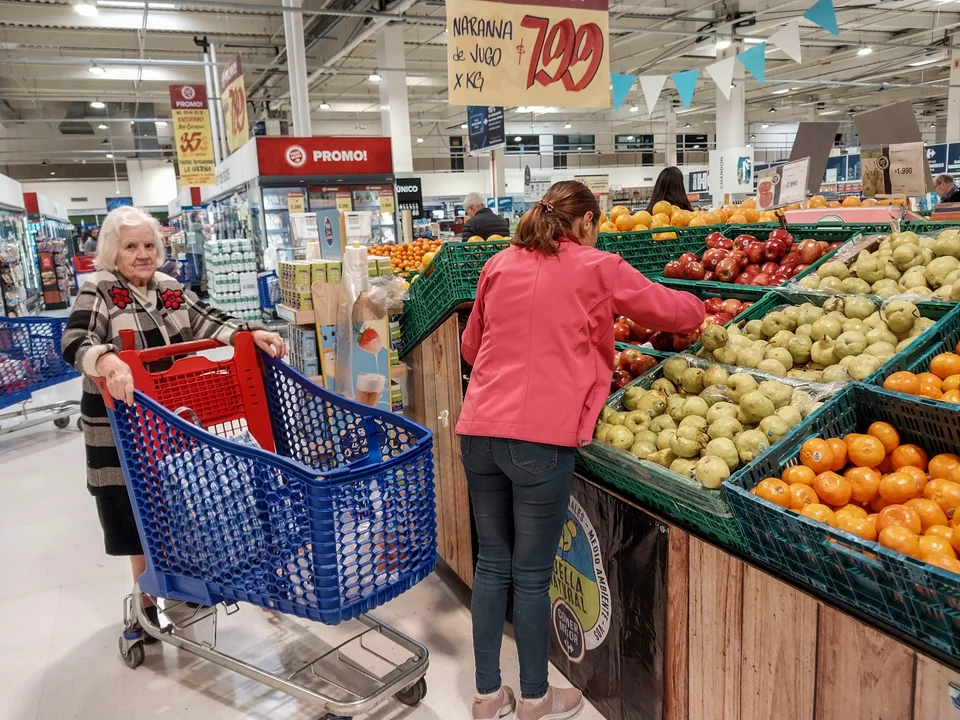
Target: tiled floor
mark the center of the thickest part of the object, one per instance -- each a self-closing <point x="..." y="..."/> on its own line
<point x="60" y="600"/>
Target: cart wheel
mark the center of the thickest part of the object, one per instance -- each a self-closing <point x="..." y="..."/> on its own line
<point x="61" y="422"/>
<point x="133" y="657"/>
<point x="414" y="694"/>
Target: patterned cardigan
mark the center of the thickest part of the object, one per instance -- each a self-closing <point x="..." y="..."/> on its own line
<point x="163" y="314"/>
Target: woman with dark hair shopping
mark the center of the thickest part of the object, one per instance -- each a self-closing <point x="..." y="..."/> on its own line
<point x="669" y="187"/>
<point x="540" y="340"/>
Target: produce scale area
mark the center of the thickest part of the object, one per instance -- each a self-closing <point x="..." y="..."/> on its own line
<point x="720" y="598"/>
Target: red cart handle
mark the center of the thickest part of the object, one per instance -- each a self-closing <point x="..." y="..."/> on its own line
<point x="127" y="342"/>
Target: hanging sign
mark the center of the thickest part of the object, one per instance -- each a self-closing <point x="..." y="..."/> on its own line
<point x="597" y="184"/>
<point x="535" y="190"/>
<point x="541" y="52"/>
<point x="783" y="185"/>
<point x="697" y="181"/>
<point x="485" y="129"/>
<point x="953" y="158"/>
<point x="410" y="196"/>
<point x="233" y="100"/>
<point x="731" y="171"/>
<point x="899" y="169"/>
<point x="191" y="132"/>
<point x="937" y="158"/>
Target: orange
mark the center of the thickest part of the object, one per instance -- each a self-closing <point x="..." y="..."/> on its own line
<point x="886" y="434"/>
<point x="851" y="509"/>
<point x="663" y="218"/>
<point x="903" y="382"/>
<point x="617" y="211"/>
<point x="899" y="515"/>
<point x="930" y="544"/>
<point x="885" y="466"/>
<point x="951" y="382"/>
<point x="736" y="219"/>
<point x="944" y="562"/>
<point x="917" y="474"/>
<point x="945" y="493"/>
<point x="928" y="390"/>
<point x="929" y="512"/>
<point x="608" y="227"/>
<point x="943" y="531"/>
<point x="871" y="520"/>
<point x="839" y="448"/>
<point x="954" y="474"/>
<point x="951" y="396"/>
<point x="817" y="455"/>
<point x="909" y="455"/>
<point x="712" y="218"/>
<point x="798" y="474"/>
<point x="955" y="539"/>
<point x="847" y="439"/>
<point x="901" y="540"/>
<point x="624" y="223"/>
<point x="861" y="527"/>
<point x="662" y="207"/>
<point x="802" y="495"/>
<point x="878" y="504"/>
<point x="926" y="377"/>
<point x="864" y="482"/>
<point x="774" y="490"/>
<point x="866" y="451"/>
<point x="941" y="465"/>
<point x="898" y="487"/>
<point x="642" y="217"/>
<point x="818" y="512"/>
<point x="833" y="489"/>
<point x="945" y="364"/>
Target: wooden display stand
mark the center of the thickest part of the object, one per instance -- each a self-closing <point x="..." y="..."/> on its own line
<point x="739" y="643"/>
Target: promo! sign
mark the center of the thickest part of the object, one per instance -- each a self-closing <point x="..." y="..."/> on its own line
<point x="233" y="100"/>
<point x="192" y="136"/>
<point x="324" y="156"/>
<point x="541" y="52"/>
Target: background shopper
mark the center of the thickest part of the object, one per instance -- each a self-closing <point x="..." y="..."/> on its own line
<point x="540" y="339"/>
<point x="482" y="221"/>
<point x="90" y="242"/>
<point x="670" y="187"/>
<point x="127" y="293"/>
<point x="945" y="189"/>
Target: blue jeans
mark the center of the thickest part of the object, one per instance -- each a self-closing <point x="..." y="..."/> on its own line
<point x="520" y="492"/>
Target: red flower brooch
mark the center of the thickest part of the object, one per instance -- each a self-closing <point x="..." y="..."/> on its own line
<point x="172" y="299"/>
<point x="120" y="296"/>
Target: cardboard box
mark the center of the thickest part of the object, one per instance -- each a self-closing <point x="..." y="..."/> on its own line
<point x="318" y="272"/>
<point x="384" y="266"/>
<point x="334" y="272"/>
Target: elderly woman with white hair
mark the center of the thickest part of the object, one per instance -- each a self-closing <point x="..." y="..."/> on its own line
<point x="128" y="293"/>
<point x="482" y="221"/>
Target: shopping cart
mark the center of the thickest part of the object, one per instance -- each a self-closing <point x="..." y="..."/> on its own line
<point x="31" y="359"/>
<point x="288" y="497"/>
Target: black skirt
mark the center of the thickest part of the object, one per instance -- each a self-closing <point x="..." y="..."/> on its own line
<point x="120" y="536"/>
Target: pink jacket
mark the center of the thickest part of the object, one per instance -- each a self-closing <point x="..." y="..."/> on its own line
<point x="540" y="340"/>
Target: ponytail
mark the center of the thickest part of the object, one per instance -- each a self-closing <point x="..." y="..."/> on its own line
<point x="552" y="219"/>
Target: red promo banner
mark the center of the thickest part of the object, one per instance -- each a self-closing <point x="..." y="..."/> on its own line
<point x="324" y="156"/>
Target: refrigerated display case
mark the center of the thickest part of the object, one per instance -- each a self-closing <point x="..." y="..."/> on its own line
<point x="190" y="216"/>
<point x="13" y="248"/>
<point x="48" y="226"/>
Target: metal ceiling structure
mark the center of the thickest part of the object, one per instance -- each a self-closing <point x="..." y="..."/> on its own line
<point x="47" y="48"/>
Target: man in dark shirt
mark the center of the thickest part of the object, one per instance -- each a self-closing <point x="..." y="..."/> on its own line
<point x="945" y="188"/>
<point x="482" y="221"/>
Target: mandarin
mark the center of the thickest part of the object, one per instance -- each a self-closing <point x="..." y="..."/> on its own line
<point x="909" y="455"/>
<point x="927" y="377"/>
<point x="903" y="382"/>
<point x="798" y="474"/>
<point x="866" y="451"/>
<point x="774" y="490"/>
<point x="933" y="544"/>
<point x="886" y="434"/>
<point x="839" y="448"/>
<point x="898" y="515"/>
<point x="944" y="562"/>
<point x="832" y="488"/>
<point x="817" y="455"/>
<point x="945" y="364"/>
<point x="864" y="483"/>
<point x="801" y="496"/>
<point x="945" y="493"/>
<point x="931" y="515"/>
<point x="898" y="487"/>
<point x="900" y="539"/>
<point x="944" y="531"/>
<point x="851" y="509"/>
<point x="941" y="465"/>
<point x="818" y="512"/>
<point x="859" y="526"/>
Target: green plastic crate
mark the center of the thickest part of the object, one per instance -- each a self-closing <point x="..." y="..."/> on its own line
<point x="658" y="355"/>
<point x="801" y="231"/>
<point x="448" y="281"/>
<point x="941" y="338"/>
<point x="929" y="227"/>
<point x="919" y="599"/>
<point x="649" y="256"/>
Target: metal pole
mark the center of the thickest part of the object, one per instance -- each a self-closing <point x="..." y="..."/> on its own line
<point x="297" y="71"/>
<point x="217" y="156"/>
<point x="216" y="108"/>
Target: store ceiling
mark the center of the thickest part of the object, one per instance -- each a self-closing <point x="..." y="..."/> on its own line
<point x="46" y="49"/>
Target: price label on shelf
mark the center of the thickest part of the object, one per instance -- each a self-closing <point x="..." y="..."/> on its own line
<point x="248" y="284"/>
<point x="783" y="185"/>
<point x="295" y="203"/>
<point x="894" y="170"/>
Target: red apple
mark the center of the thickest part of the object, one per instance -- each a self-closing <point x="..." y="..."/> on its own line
<point x="727" y="270"/>
<point x="712" y="257"/>
<point x="625" y="357"/>
<point x="673" y="269"/>
<point x="709" y="320"/>
<point x="769" y="267"/>
<point x="621" y="378"/>
<point x="725" y="244"/>
<point x="755" y="252"/>
<point x="713" y="305"/>
<point x="797" y="269"/>
<point x="832" y="246"/>
<point x="621" y="332"/>
<point x="743" y="279"/>
<point x="761" y="279"/>
<point x="741" y="241"/>
<point x="662" y="341"/>
<point x="687" y="258"/>
<point x="791" y="258"/>
<point x="723" y="318"/>
<point x="711" y="242"/>
<point x="779" y="278"/>
<point x="683" y="341"/>
<point x="732" y="307"/>
<point x="744" y="306"/>
<point x="641" y="365"/>
<point x="774" y="250"/>
<point x="710" y="276"/>
<point x="713" y="238"/>
<point x="824" y="245"/>
<point x="740" y="256"/>
<point x="809" y="252"/>
<point x="752" y="269"/>
<point x="781" y="234"/>
<point x="694" y="271"/>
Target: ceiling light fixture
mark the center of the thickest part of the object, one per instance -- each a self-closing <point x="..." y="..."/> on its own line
<point x="463" y="126"/>
<point x="629" y="137"/>
<point x="101" y="126"/>
<point x="928" y="61"/>
<point x="772" y="110"/>
<point x="753" y="40"/>
<point x="522" y="109"/>
<point x="864" y="51"/>
<point x="764" y="126"/>
<point x="933" y="125"/>
<point x="95" y="69"/>
<point x="829" y="112"/>
<point x="85" y="9"/>
<point x="97" y="105"/>
<point x="688" y="125"/>
<point x="52" y="172"/>
<point x="109" y="156"/>
<point x="753" y="137"/>
<point x="419" y="140"/>
<point x="374" y="77"/>
<point x="784" y="91"/>
<point x="722" y="44"/>
<point x="567" y="126"/>
<point x="634" y="108"/>
<point x="579" y="148"/>
<point x="160" y="123"/>
<point x="136" y="4"/>
<point x="518" y="139"/>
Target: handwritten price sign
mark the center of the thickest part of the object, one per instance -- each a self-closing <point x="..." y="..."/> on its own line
<point x="552" y="53"/>
<point x="233" y="100"/>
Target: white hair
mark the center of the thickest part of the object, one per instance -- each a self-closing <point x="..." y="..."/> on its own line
<point x="474" y="199"/>
<point x="108" y="244"/>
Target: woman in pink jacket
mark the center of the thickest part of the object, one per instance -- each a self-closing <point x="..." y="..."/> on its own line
<point x="540" y="340"/>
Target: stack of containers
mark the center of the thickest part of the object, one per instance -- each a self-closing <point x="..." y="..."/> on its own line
<point x="231" y="267"/>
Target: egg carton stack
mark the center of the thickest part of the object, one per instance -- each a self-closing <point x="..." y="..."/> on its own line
<point x="231" y="267"/>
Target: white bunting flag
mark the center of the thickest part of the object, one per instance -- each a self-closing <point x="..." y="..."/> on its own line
<point x="787" y="39"/>
<point x="722" y="74"/>
<point x="651" y="85"/>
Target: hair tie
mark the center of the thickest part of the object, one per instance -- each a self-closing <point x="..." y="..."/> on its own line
<point x="545" y="205"/>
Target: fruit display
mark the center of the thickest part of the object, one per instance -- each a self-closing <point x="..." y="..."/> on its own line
<point x="901" y="264"/>
<point x="719" y="311"/>
<point x="665" y="215"/>
<point x="879" y="489"/>
<point x="629" y="364"/>
<point x="412" y="256"/>
<point x="941" y="380"/>
<point x="848" y="337"/>
<point x="745" y="260"/>
<point x="702" y="422"/>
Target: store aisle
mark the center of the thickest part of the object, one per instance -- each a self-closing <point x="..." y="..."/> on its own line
<point x="60" y="598"/>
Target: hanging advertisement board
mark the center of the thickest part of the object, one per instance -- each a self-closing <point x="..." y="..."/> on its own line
<point x="485" y="129"/>
<point x="233" y="100"/>
<point x="192" y="135"/>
